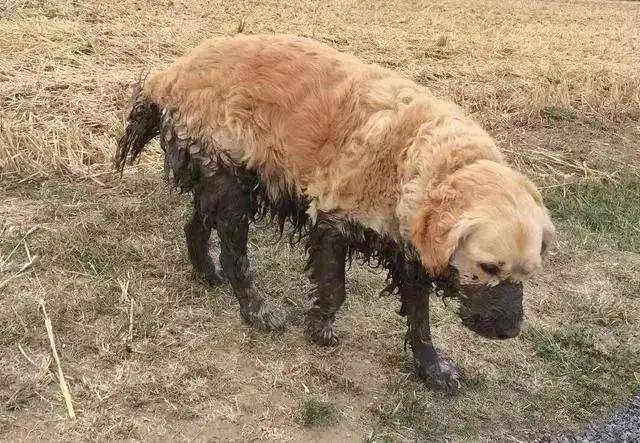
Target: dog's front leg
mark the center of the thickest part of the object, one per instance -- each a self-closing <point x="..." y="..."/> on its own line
<point x="430" y="366"/>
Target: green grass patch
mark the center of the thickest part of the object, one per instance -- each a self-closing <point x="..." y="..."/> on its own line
<point x="408" y="411"/>
<point x="600" y="210"/>
<point x="473" y="379"/>
<point x="313" y="411"/>
<point x="589" y="378"/>
<point x="557" y="113"/>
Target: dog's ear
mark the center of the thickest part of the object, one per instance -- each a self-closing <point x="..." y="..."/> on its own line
<point x="532" y="190"/>
<point x="548" y="230"/>
<point x="438" y="229"/>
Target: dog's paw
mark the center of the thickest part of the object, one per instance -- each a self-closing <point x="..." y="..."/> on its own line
<point x="213" y="277"/>
<point x="319" y="328"/>
<point x="260" y="316"/>
<point x="440" y="374"/>
<point x="322" y="334"/>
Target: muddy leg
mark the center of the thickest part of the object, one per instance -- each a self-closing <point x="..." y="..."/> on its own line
<point x="232" y="222"/>
<point x="327" y="253"/>
<point x="433" y="369"/>
<point x="197" y="236"/>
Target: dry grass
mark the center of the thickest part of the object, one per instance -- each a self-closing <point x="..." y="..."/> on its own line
<point x="176" y="361"/>
<point x="168" y="359"/>
<point x="66" y="66"/>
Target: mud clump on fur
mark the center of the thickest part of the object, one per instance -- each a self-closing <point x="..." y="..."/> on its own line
<point x="143" y="125"/>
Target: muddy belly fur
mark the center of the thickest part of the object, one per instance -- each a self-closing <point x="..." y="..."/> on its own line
<point x="228" y="197"/>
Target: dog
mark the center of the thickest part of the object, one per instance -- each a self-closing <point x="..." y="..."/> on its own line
<point x="357" y="160"/>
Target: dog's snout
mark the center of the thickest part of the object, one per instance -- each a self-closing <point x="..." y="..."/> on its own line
<point x="493" y="312"/>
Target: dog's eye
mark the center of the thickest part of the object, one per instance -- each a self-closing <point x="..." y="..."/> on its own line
<point x="490" y="268"/>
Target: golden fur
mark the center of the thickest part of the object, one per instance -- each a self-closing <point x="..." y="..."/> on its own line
<point x="361" y="142"/>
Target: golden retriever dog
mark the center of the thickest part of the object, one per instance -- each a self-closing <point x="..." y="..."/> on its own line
<point x="361" y="162"/>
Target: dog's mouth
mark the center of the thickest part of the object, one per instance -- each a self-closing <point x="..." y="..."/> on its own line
<point x="494" y="312"/>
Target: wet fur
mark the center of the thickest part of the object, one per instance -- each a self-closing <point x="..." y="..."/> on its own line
<point x="358" y="161"/>
<point x="352" y="139"/>
<point x="287" y="212"/>
<point x="331" y="243"/>
<point x="349" y="137"/>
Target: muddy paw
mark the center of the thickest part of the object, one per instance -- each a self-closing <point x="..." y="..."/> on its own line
<point x="215" y="278"/>
<point x="440" y="374"/>
<point x="212" y="279"/>
<point x="258" y="315"/>
<point x="322" y="334"/>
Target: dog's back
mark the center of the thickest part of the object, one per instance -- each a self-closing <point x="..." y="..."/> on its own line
<point x="308" y="119"/>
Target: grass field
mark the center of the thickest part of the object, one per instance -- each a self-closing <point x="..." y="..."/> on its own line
<point x="150" y="353"/>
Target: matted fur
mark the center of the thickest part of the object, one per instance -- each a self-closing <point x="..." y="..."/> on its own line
<point x="357" y="141"/>
<point x="369" y="164"/>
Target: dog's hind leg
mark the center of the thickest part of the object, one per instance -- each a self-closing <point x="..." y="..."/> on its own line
<point x="197" y="234"/>
<point x="226" y="207"/>
<point x="327" y="254"/>
<point x="430" y="366"/>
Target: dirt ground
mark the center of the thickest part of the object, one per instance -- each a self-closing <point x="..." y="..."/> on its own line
<point x="150" y="353"/>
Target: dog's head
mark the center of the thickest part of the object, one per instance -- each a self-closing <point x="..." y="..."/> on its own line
<point x="485" y="227"/>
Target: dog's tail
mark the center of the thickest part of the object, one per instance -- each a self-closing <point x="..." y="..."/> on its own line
<point x="143" y="124"/>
